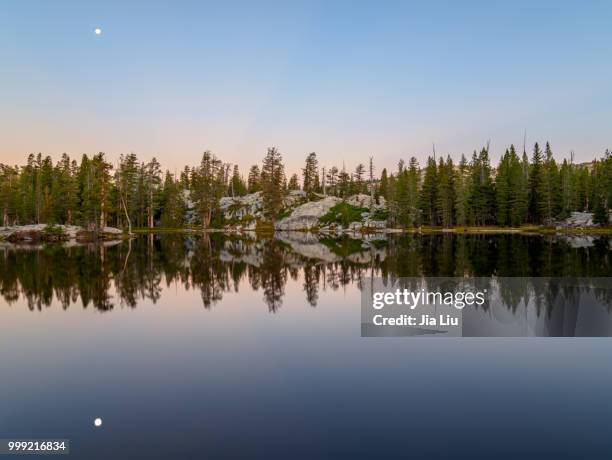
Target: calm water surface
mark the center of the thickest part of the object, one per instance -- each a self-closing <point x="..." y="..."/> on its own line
<point x="217" y="347"/>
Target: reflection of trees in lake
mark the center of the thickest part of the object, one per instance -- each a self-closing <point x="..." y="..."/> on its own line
<point x="311" y="282"/>
<point x="40" y="274"/>
<point x="273" y="274"/>
<point x="124" y="274"/>
<point x="208" y="272"/>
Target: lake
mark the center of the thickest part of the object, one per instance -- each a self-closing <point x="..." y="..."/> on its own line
<point x="215" y="346"/>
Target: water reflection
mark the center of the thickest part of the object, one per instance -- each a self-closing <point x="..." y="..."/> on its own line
<point x="123" y="274"/>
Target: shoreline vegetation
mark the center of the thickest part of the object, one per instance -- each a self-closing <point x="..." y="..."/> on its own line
<point x="96" y="200"/>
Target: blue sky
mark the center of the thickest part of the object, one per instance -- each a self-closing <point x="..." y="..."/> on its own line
<point x="344" y="79"/>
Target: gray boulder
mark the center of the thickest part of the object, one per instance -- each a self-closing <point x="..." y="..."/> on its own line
<point x="307" y="215"/>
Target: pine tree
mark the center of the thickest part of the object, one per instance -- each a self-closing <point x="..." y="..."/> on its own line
<point x="413" y="214"/>
<point x="103" y="187"/>
<point x="502" y="190"/>
<point x="310" y="174"/>
<point x="172" y="203"/>
<point x="94" y="190"/>
<point x="358" y="179"/>
<point x="403" y="195"/>
<point x="26" y="209"/>
<point x="323" y="182"/>
<point x="549" y="203"/>
<point x="127" y="180"/>
<point x="583" y="189"/>
<point x="254" y="180"/>
<point x="371" y="184"/>
<point x="445" y="198"/>
<point x="152" y="186"/>
<point x="462" y="194"/>
<point x="293" y="182"/>
<point x="400" y="200"/>
<point x="237" y="185"/>
<point x="272" y="180"/>
<point x="185" y="178"/>
<point x="38" y="189"/>
<point x="520" y="205"/>
<point x="601" y="178"/>
<point x="536" y="186"/>
<point x="482" y="189"/>
<point x="383" y="186"/>
<point x="510" y="190"/>
<point x="429" y="193"/>
<point x="64" y="191"/>
<point x="45" y="186"/>
<point x="9" y="177"/>
<point x="331" y="179"/>
<point x="567" y="182"/>
<point x="344" y="183"/>
<point x="208" y="185"/>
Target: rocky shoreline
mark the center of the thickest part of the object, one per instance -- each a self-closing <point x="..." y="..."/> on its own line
<point x="43" y="233"/>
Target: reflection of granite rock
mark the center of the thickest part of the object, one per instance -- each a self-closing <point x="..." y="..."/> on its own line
<point x="307" y="245"/>
<point x="584" y="241"/>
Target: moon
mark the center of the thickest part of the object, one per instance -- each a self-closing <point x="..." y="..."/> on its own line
<point x="97" y="31"/>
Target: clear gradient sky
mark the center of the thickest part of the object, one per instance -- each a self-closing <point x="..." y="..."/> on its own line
<point x="346" y="79"/>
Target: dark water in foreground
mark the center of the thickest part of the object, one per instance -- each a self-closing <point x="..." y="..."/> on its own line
<point x="215" y="347"/>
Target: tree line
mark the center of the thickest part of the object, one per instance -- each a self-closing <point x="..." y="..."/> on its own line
<point x="95" y="193"/>
<point x="519" y="191"/>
